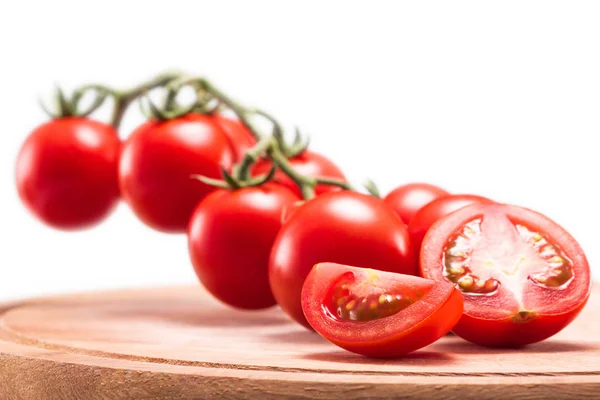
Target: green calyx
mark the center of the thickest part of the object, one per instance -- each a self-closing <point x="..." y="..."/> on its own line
<point x="372" y="188"/>
<point x="69" y="106"/>
<point x="240" y="176"/>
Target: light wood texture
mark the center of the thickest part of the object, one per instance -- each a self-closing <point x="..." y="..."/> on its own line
<point x="178" y="343"/>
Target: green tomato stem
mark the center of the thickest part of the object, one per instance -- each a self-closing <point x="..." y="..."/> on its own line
<point x="123" y="98"/>
<point x="273" y="145"/>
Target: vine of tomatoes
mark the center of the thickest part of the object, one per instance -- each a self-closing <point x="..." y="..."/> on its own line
<point x="272" y="222"/>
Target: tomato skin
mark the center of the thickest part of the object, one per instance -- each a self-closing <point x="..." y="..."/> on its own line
<point x="230" y="237"/>
<point x="417" y="326"/>
<point x="307" y="163"/>
<point x="157" y="162"/>
<point x="408" y="199"/>
<point x="506" y="333"/>
<point x="435" y="210"/>
<point x="343" y="227"/>
<point x="66" y="172"/>
<point x="493" y="322"/>
<point x="240" y="137"/>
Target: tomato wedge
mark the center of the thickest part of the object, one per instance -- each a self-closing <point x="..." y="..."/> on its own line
<point x="376" y="313"/>
<point x="523" y="277"/>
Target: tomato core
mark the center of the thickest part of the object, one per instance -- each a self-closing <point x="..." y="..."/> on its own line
<point x="491" y="251"/>
<point x="359" y="301"/>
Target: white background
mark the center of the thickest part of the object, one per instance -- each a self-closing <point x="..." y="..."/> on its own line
<point x="500" y="99"/>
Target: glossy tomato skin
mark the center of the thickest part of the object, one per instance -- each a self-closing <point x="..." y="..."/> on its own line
<point x="240" y="137"/>
<point x="408" y="199"/>
<point x="157" y="164"/>
<point x="307" y="163"/>
<point x="230" y="237"/>
<point x="496" y="321"/>
<point x="66" y="172"/>
<point x="426" y="216"/>
<point x="343" y="227"/>
<point x="412" y="328"/>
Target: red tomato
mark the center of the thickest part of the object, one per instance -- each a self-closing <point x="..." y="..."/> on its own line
<point x="344" y="227"/>
<point x="67" y="172"/>
<point x="378" y="314"/>
<point x="307" y="163"/>
<point x="157" y="163"/>
<point x="230" y="238"/>
<point x="240" y="137"/>
<point x="435" y="210"/>
<point x="523" y="277"/>
<point x="406" y="200"/>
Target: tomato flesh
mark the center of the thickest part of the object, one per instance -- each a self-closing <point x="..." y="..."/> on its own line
<point x="376" y="313"/>
<point x="513" y="266"/>
<point x="350" y="301"/>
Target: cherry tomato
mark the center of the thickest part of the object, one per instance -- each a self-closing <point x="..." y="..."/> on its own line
<point x="406" y="200"/>
<point x="435" y="210"/>
<point x="240" y="137"/>
<point x="378" y="314"/>
<point x="523" y="277"/>
<point x="307" y="163"/>
<point x="67" y="172"/>
<point x="157" y="164"/>
<point x="344" y="227"/>
<point x="230" y="238"/>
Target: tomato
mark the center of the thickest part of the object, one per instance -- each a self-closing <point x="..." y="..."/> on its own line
<point x="67" y="172"/>
<point x="523" y="277"/>
<point x="344" y="227"/>
<point x="307" y="163"/>
<point x="157" y="164"/>
<point x="406" y="200"/>
<point x="230" y="237"/>
<point x="378" y="314"/>
<point x="435" y="210"/>
<point x="240" y="137"/>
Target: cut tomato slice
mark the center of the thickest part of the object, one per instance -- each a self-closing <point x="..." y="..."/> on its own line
<point x="523" y="277"/>
<point x="378" y="314"/>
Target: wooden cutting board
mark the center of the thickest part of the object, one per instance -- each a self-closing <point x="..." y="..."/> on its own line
<point x="178" y="343"/>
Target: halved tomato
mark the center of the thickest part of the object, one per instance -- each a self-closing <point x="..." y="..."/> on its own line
<point x="376" y="313"/>
<point x="523" y="277"/>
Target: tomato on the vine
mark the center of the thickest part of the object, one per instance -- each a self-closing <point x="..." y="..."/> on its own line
<point x="230" y="237"/>
<point x="435" y="210"/>
<point x="157" y="164"/>
<point x="408" y="199"/>
<point x="67" y="172"/>
<point x="306" y="163"/>
<point x="378" y="314"/>
<point x="344" y="227"/>
<point x="523" y="277"/>
<point x="240" y="137"/>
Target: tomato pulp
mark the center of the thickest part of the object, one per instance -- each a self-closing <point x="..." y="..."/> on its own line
<point x="157" y="164"/>
<point x="408" y="199"/>
<point x="523" y="277"/>
<point x="230" y="237"/>
<point x="379" y="314"/>
<point x="67" y="172"/>
<point x="426" y="216"/>
<point x="306" y="163"/>
<point x="344" y="227"/>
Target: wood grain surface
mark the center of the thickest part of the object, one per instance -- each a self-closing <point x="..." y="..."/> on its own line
<point x="178" y="343"/>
